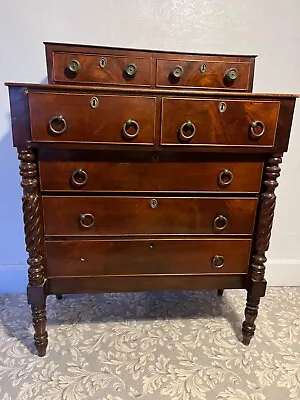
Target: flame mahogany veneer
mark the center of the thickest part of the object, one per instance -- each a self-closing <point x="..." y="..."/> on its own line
<point x="147" y="170"/>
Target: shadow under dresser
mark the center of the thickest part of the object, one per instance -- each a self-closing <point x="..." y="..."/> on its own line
<point x="146" y="170"/>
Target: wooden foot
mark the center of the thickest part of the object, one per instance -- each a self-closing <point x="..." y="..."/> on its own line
<point x="251" y="313"/>
<point x="59" y="297"/>
<point x="220" y="292"/>
<point x="39" y="324"/>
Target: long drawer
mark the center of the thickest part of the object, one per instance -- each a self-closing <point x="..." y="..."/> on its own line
<point x="144" y="256"/>
<point x="199" y="122"/>
<point x="106" y="119"/>
<point x="92" y="216"/>
<point x="104" y="172"/>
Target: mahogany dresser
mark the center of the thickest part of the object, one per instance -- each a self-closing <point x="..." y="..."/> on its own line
<point x="147" y="170"/>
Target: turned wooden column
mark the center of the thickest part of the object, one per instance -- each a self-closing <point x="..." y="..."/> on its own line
<point x="34" y="238"/>
<point x="265" y="215"/>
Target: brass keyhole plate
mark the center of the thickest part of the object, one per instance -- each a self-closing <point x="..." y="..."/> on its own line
<point x="94" y="102"/>
<point x="222" y="106"/>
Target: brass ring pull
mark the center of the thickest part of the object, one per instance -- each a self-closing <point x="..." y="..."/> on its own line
<point x="177" y="71"/>
<point x="220" y="222"/>
<point x="128" y="124"/>
<point x="187" y="126"/>
<point x="74" y="66"/>
<point x="253" y="126"/>
<point x="79" y="177"/>
<point x="59" y="119"/>
<point x="85" y="217"/>
<point x="225" y="177"/>
<point x="217" y="261"/>
<point x="131" y="70"/>
<point x="153" y="203"/>
<point x="230" y="75"/>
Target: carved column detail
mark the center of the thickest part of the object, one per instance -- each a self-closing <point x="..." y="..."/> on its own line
<point x="265" y="215"/>
<point x="33" y="227"/>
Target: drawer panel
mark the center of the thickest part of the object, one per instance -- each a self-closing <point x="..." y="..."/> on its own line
<point x="203" y="74"/>
<point x="92" y="216"/>
<point x="104" y="175"/>
<point x="101" y="68"/>
<point x="145" y="256"/>
<point x="71" y="118"/>
<point x="200" y="122"/>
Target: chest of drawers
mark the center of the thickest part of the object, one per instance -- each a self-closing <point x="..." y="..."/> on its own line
<point x="146" y="171"/>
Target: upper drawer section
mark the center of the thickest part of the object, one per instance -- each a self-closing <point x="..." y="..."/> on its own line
<point x="197" y="122"/>
<point x="63" y="117"/>
<point x="101" y="69"/>
<point x="203" y="74"/>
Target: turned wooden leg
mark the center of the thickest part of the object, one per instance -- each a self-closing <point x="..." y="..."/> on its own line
<point x="59" y="297"/>
<point x="220" y="292"/>
<point x="39" y="324"/>
<point x="251" y="313"/>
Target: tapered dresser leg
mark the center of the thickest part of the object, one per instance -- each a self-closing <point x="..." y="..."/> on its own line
<point x="34" y="238"/>
<point x="39" y="324"/>
<point x="265" y="214"/>
<point x="220" y="292"/>
<point x="59" y="296"/>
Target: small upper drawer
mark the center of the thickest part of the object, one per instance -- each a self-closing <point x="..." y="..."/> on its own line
<point x="63" y="117"/>
<point x="203" y="74"/>
<point x="101" y="69"/>
<point x="198" y="122"/>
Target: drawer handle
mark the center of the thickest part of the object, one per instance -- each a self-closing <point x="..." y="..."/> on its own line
<point x="217" y="261"/>
<point x="74" y="66"/>
<point x="128" y="124"/>
<point x="230" y="75"/>
<point x="225" y="177"/>
<point x="187" y="126"/>
<point x="257" y="125"/>
<point x="131" y="70"/>
<point x="177" y="71"/>
<point x="220" y="222"/>
<point x="60" y="121"/>
<point x="84" y="218"/>
<point x="79" y="177"/>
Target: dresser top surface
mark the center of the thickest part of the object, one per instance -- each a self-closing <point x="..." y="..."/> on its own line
<point x="128" y="90"/>
<point x="84" y="47"/>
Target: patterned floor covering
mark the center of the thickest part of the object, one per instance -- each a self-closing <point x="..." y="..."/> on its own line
<point x="166" y="345"/>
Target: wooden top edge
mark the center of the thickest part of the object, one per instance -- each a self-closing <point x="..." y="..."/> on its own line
<point x="148" y="50"/>
<point x="128" y="90"/>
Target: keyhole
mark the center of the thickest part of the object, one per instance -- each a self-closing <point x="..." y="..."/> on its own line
<point x="102" y="62"/>
<point x="94" y="102"/>
<point x="222" y="106"/>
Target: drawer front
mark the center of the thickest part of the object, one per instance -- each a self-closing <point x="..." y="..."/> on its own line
<point x="101" y="69"/>
<point x="197" y="122"/>
<point x="95" y="119"/>
<point x="139" y="176"/>
<point x="145" y="256"/>
<point x="92" y="216"/>
<point x="203" y="74"/>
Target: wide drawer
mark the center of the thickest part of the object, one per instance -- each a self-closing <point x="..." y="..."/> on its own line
<point x="101" y="68"/>
<point x="145" y="256"/>
<point x="105" y="172"/>
<point x="92" y="216"/>
<point x="184" y="73"/>
<point x="63" y="117"/>
<point x="200" y="122"/>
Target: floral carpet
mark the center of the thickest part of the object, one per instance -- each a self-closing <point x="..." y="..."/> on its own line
<point x="164" y="345"/>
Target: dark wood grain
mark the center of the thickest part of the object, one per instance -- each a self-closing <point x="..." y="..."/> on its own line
<point x="112" y="172"/>
<point x="146" y="257"/>
<point x="212" y="78"/>
<point x="145" y="283"/>
<point x="111" y="74"/>
<point x="261" y="244"/>
<point x="135" y="215"/>
<point x="103" y="124"/>
<point x="19" y="113"/>
<point x="33" y="227"/>
<point x="231" y="127"/>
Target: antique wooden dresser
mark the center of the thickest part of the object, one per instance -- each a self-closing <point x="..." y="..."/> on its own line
<point x="146" y="170"/>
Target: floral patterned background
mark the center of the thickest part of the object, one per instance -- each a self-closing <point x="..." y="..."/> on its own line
<point x="165" y="345"/>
